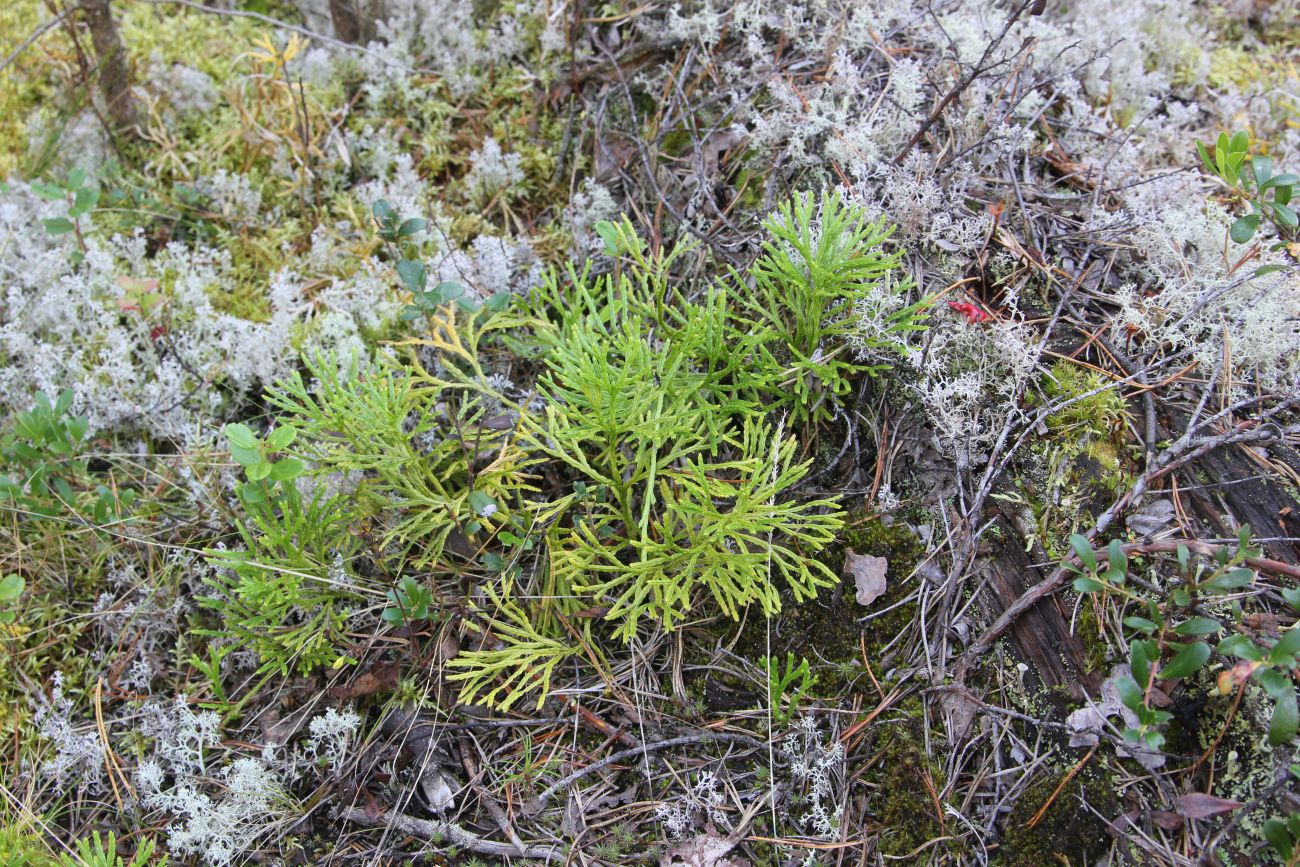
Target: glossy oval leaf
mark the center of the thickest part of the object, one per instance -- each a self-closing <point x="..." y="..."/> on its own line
<point x="281" y="438"/>
<point x="1286" y="648"/>
<point x="241" y="435"/>
<point x="1199" y="626"/>
<point x="1083" y="550"/>
<point x="1286" y="720"/>
<point x="1244" y="229"/>
<point x="1188" y="660"/>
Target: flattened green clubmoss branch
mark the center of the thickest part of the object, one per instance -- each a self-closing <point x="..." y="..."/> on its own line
<point x="650" y="406"/>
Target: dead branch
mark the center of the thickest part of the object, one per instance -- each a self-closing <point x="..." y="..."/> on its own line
<point x="453" y="834"/>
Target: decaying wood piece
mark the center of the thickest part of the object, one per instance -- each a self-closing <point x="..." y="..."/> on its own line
<point x="453" y="834"/>
<point x="1229" y="480"/>
<point x="1041" y="637"/>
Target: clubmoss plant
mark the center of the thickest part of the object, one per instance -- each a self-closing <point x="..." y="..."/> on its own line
<point x="823" y="261"/>
<point x="662" y="416"/>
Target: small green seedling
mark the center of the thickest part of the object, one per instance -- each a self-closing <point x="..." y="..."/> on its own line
<point x="81" y="201"/>
<point x="1267" y="194"/>
<point x="399" y="234"/>
<point x="268" y="479"/>
<point x="408" y="603"/>
<point x="786" y="688"/>
<point x="42" y="446"/>
<point x="98" y="852"/>
<point x="1170" y="634"/>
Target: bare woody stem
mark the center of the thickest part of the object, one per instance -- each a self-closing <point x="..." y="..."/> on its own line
<point x="114" y="69"/>
<point x="347" y="24"/>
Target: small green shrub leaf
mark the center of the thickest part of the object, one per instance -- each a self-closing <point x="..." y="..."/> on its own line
<point x="482" y="504"/>
<point x="413" y="274"/>
<point x="1233" y="579"/>
<point x="1199" y="626"/>
<point x="1286" y="648"/>
<point x="1262" y="168"/>
<point x="1278" y="839"/>
<point x="410" y="227"/>
<point x="85" y="199"/>
<point x="11" y="587"/>
<point x="1141" y="655"/>
<point x="1285" y="215"/>
<point x="241" y="435"/>
<point x="1141" y="624"/>
<point x="1241" y="647"/>
<point x="245" y="457"/>
<point x="1205" y="157"/>
<point x="1129" y="692"/>
<point x="289" y="468"/>
<point x="1083" y="550"/>
<point x="1244" y="228"/>
<point x="1189" y="659"/>
<point x="281" y="438"/>
<point x="1286" y="720"/>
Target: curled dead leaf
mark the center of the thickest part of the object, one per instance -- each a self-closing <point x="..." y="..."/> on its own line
<point x="868" y="574"/>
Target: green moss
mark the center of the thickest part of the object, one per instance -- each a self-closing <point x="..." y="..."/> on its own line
<point x="1066" y="833"/>
<point x="908" y="783"/>
<point x="209" y="43"/>
<point x="1076" y="469"/>
<point x="826" y="630"/>
<point x="1099" y="413"/>
<point x="30" y="84"/>
<point x="896" y="542"/>
<point x="1097" y="651"/>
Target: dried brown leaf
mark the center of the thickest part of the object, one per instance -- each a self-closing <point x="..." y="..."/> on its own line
<point x="706" y="850"/>
<point x="868" y="574"/>
<point x="1198" y="805"/>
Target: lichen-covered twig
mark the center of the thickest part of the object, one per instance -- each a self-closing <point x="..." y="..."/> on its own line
<point x="453" y="834"/>
<point x="537" y="804"/>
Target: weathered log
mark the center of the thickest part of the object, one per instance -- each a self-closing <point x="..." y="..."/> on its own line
<point x="1041" y="637"/>
<point x="1228" y="480"/>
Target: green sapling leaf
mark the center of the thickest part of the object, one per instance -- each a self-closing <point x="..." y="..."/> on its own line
<point x="1199" y="626"/>
<point x="241" y="435"/>
<point x="1189" y="659"/>
<point x="1244" y="228"/>
<point x="281" y="438"/>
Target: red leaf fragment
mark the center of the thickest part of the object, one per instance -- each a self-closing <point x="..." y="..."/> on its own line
<point x="973" y="312"/>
